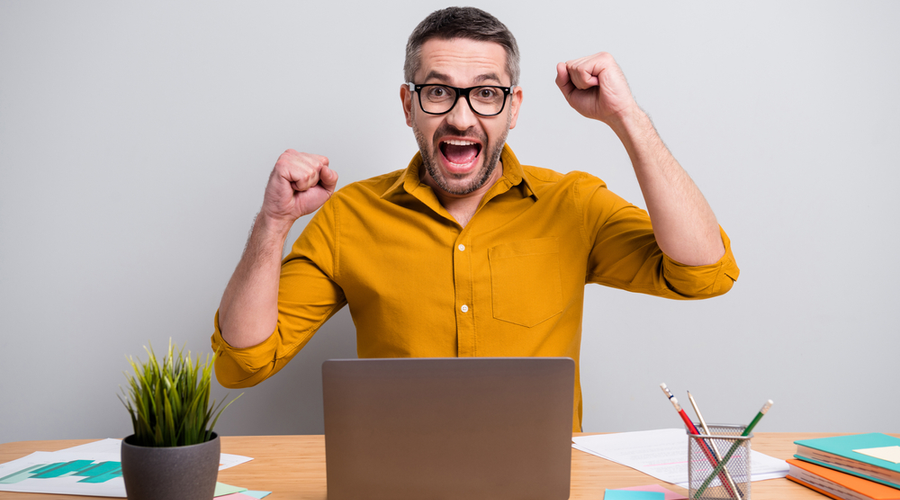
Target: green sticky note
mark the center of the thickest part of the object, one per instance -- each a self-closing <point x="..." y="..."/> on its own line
<point x="227" y="489"/>
<point x="633" y="495"/>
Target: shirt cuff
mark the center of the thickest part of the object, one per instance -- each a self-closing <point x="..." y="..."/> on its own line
<point x="242" y="366"/>
<point x="700" y="282"/>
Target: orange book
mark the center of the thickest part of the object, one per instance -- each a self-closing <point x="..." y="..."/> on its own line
<point x="837" y="484"/>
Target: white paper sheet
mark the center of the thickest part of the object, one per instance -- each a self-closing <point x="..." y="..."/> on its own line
<point x="18" y="474"/>
<point x="663" y="454"/>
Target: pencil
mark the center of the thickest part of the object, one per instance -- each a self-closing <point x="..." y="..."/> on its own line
<point x="712" y="445"/>
<point x="735" y="446"/>
<point x="693" y="430"/>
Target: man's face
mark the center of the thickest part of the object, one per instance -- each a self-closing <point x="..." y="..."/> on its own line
<point x="460" y="149"/>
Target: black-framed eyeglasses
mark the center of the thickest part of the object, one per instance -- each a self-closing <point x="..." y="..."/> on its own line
<point x="484" y="100"/>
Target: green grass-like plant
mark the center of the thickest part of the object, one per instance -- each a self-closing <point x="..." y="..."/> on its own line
<point x="169" y="403"/>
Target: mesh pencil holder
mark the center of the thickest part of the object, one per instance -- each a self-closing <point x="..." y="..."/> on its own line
<point x="719" y="464"/>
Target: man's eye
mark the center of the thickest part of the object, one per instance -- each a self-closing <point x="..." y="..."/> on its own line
<point x="437" y="92"/>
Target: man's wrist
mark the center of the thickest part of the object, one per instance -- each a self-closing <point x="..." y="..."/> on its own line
<point x="637" y="133"/>
<point x="270" y="227"/>
<point x="630" y="122"/>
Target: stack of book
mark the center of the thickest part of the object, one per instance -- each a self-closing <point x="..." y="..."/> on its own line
<point x="861" y="466"/>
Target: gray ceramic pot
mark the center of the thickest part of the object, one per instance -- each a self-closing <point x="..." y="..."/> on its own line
<point x="173" y="473"/>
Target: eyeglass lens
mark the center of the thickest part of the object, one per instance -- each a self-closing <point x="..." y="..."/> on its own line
<point x="440" y="99"/>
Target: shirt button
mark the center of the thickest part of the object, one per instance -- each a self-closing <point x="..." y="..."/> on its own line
<point x="461" y="247"/>
<point x="464" y="308"/>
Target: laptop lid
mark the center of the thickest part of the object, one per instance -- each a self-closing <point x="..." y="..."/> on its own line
<point x="455" y="428"/>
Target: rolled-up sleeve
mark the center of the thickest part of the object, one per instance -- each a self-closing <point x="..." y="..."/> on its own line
<point x="698" y="282"/>
<point x="244" y="367"/>
<point x="624" y="253"/>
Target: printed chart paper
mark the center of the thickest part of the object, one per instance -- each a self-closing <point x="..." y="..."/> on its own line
<point x="93" y="469"/>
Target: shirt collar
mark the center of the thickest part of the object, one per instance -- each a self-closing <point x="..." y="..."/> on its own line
<point x="513" y="175"/>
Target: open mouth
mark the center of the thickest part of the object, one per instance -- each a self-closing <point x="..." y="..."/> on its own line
<point x="459" y="152"/>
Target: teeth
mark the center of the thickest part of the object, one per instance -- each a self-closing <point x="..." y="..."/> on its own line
<point x="460" y="143"/>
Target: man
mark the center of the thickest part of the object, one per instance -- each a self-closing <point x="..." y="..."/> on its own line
<point x="467" y="252"/>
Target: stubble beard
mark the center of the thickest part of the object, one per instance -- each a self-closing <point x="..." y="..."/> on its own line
<point x="491" y="155"/>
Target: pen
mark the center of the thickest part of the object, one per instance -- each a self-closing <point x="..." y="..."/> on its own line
<point x="693" y="430"/>
<point x="712" y="445"/>
<point x="735" y="446"/>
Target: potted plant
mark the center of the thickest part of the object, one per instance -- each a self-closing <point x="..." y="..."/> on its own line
<point x="173" y="453"/>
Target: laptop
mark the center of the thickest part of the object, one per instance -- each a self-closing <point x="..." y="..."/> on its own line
<point x="448" y="428"/>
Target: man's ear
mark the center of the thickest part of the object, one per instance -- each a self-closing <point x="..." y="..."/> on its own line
<point x="515" y="103"/>
<point x="406" y="97"/>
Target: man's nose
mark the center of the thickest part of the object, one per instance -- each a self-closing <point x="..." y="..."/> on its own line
<point x="461" y="116"/>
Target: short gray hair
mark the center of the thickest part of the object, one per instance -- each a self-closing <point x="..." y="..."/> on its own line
<point x="461" y="22"/>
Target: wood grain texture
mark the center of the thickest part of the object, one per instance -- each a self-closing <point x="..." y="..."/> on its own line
<point x="293" y="467"/>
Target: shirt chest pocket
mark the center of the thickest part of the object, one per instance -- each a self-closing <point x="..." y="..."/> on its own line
<point x="525" y="281"/>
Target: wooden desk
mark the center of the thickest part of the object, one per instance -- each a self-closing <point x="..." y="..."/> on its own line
<point x="293" y="468"/>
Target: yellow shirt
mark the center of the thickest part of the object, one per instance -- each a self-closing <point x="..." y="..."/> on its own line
<point x="510" y="283"/>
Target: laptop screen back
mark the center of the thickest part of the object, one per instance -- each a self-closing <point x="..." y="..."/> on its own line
<point x="425" y="428"/>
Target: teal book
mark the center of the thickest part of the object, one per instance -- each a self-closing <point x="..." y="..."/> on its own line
<point x="872" y="456"/>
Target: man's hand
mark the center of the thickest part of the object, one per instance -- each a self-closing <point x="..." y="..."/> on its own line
<point x="595" y="87"/>
<point x="299" y="184"/>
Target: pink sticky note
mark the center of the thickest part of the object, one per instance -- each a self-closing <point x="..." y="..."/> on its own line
<point x="670" y="495"/>
<point x="235" y="496"/>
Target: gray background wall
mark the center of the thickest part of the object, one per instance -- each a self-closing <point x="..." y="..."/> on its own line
<point x="136" y="139"/>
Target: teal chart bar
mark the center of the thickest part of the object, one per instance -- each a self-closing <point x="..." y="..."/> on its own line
<point x="63" y="469"/>
<point x="21" y="475"/>
<point x="91" y="471"/>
